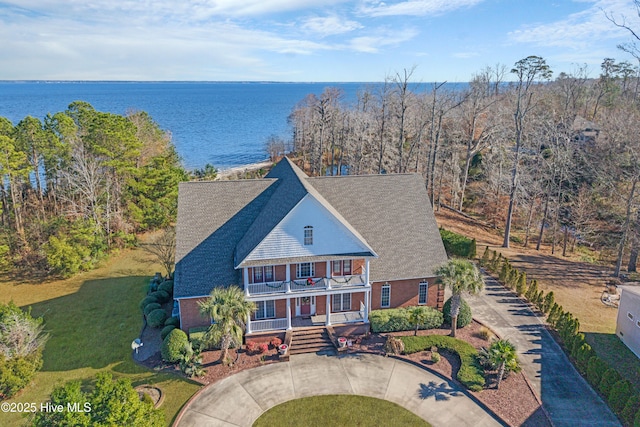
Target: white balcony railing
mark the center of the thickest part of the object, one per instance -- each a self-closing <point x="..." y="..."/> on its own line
<point x="305" y="285"/>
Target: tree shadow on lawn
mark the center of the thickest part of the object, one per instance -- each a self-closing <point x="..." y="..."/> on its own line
<point x="93" y="327"/>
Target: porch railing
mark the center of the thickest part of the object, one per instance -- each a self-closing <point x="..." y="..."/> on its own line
<point x="268" y="324"/>
<point x="347" y="317"/>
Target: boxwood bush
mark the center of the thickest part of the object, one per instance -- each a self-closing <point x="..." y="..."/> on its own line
<point x="173" y="345"/>
<point x="458" y="245"/>
<point x="150" y="307"/>
<point x="147" y="300"/>
<point x="464" y="317"/>
<point x="161" y="296"/>
<point x="172" y="321"/>
<point x="397" y="319"/>
<point x="156" y="318"/>
<point x="165" y="331"/>
<point x="470" y="374"/>
<point x="166" y="286"/>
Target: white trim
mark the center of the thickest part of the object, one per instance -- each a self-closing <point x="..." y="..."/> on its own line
<point x="426" y="293"/>
<point x="386" y="286"/>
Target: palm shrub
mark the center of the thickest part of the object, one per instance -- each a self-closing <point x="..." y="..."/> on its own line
<point x="609" y="378"/>
<point x="461" y="276"/>
<point x="173" y="345"/>
<point x="619" y="395"/>
<point x="502" y="357"/>
<point x="229" y="309"/>
<point x="464" y="317"/>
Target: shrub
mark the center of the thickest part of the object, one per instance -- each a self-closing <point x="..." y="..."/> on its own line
<point x="397" y="319"/>
<point x="394" y="346"/>
<point x="150" y="307"/>
<point x="156" y="318"/>
<point x="146" y="301"/>
<point x="458" y="245"/>
<point x="584" y="354"/>
<point x="521" y="286"/>
<point x="532" y="291"/>
<point x="595" y="369"/>
<point x="484" y="333"/>
<point x="630" y="409"/>
<point x="197" y="338"/>
<point x="251" y="347"/>
<point x="609" y="378"/>
<point x="275" y="342"/>
<point x="486" y="257"/>
<point x="161" y="296"/>
<point x="464" y="317"/>
<point x="263" y="347"/>
<point x="435" y="357"/>
<point x="17" y="372"/>
<point x="505" y="270"/>
<point x="619" y="395"/>
<point x="166" y="286"/>
<point x="172" y="321"/>
<point x="174" y="345"/>
<point x="469" y="373"/>
<point x="547" y="304"/>
<point x="165" y="331"/>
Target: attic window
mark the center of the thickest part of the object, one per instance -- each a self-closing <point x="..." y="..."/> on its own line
<point x="308" y="235"/>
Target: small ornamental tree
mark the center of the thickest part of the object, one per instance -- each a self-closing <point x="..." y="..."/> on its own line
<point x="22" y="340"/>
<point x="110" y="403"/>
<point x="418" y="316"/>
<point x="503" y="358"/>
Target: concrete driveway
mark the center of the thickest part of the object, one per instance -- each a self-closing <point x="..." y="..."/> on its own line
<point x="240" y="399"/>
<point x="566" y="396"/>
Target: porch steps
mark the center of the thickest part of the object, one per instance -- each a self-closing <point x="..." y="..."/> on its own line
<point x="311" y="340"/>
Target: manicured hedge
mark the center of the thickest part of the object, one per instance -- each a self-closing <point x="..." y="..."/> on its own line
<point x="172" y="321"/>
<point x="173" y="345"/>
<point x="470" y="374"/>
<point x="150" y="307"/>
<point x="464" y="317"/>
<point x="156" y="318"/>
<point x="165" y="331"/>
<point x="147" y="300"/>
<point x="458" y="245"/>
<point x="397" y="319"/>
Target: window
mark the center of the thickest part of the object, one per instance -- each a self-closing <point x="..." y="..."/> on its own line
<point x="305" y="269"/>
<point x="341" y="302"/>
<point x="266" y="309"/>
<point x="346" y="267"/>
<point x="257" y="274"/>
<point x="630" y="316"/>
<point x="341" y="268"/>
<point x="386" y="295"/>
<point x="422" y="292"/>
<point x="308" y="235"/>
<point x="263" y="274"/>
<point x="268" y="273"/>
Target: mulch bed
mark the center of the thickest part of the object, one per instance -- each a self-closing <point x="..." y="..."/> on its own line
<point x="514" y="402"/>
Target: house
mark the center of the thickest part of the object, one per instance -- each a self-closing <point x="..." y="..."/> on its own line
<point x="307" y="250"/>
<point x="628" y="321"/>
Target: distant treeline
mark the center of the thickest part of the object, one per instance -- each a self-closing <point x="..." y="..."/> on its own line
<point x="81" y="183"/>
<point x="556" y="158"/>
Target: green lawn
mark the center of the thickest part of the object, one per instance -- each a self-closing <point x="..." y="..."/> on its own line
<point x="92" y="319"/>
<point x="339" y="411"/>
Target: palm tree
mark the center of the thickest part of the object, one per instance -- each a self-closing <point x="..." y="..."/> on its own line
<point x="461" y="276"/>
<point x="228" y="310"/>
<point x="503" y="357"/>
<point x="418" y="316"/>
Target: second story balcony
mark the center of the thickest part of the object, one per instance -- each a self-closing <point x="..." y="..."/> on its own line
<point x="306" y="285"/>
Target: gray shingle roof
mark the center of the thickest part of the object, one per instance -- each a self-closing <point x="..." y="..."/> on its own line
<point x="219" y="223"/>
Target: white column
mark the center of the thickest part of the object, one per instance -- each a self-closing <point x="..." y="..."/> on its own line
<point x="288" y="278"/>
<point x="328" y="322"/>
<point x="366" y="305"/>
<point x="249" y="324"/>
<point x="289" y="313"/>
<point x="366" y="272"/>
<point x="246" y="281"/>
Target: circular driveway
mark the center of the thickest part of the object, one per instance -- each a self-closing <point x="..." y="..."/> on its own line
<point x="241" y="398"/>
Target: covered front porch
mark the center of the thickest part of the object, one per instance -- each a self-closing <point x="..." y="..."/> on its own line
<point x="316" y="310"/>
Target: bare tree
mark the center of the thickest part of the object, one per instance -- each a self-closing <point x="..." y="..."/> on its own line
<point x="163" y="248"/>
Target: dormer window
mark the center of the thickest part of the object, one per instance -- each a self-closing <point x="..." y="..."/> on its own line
<point x="308" y="235"/>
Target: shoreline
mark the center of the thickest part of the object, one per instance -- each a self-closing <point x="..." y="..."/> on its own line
<point x="225" y="173"/>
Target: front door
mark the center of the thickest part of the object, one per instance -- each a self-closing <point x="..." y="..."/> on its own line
<point x="306" y="306"/>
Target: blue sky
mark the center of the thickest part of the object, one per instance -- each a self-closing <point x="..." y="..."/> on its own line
<point x="301" y="40"/>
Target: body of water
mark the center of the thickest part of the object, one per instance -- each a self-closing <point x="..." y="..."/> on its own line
<point x="225" y="124"/>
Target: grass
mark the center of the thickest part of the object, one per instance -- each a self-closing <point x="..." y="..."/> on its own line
<point x="617" y="355"/>
<point x="92" y="319"/>
<point x="469" y="373"/>
<point x="338" y="411"/>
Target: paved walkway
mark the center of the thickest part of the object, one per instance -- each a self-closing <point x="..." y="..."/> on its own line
<point x="240" y="399"/>
<point x="566" y="396"/>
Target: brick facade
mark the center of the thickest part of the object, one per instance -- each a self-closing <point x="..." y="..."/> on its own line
<point x="404" y="293"/>
<point x="190" y="314"/>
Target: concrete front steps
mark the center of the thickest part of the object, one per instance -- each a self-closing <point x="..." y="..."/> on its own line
<point x="311" y="340"/>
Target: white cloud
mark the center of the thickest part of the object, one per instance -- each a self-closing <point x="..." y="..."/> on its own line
<point x="383" y="38"/>
<point x="465" y="55"/>
<point x="416" y="7"/>
<point x="579" y="30"/>
<point x="330" y="25"/>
